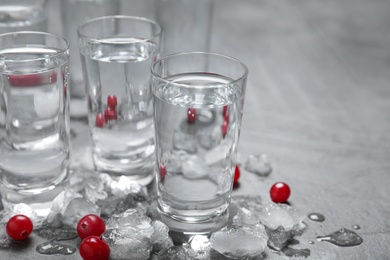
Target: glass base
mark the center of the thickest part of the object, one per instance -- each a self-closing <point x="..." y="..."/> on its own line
<point x="40" y="203"/>
<point x="180" y="228"/>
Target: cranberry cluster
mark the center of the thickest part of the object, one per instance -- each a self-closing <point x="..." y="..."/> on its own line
<point x="110" y="114"/>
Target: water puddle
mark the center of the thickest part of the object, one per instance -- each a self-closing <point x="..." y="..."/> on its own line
<point x="51" y="248"/>
<point x="343" y="237"/>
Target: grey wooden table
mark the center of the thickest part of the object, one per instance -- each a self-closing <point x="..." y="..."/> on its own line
<point x="318" y="104"/>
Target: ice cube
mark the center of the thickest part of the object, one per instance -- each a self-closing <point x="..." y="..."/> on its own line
<point x="60" y="204"/>
<point x="219" y="154"/>
<point x="241" y="242"/>
<point x="258" y="164"/>
<point x="193" y="167"/>
<point x="177" y="253"/>
<point x="208" y="141"/>
<point x="282" y="222"/>
<point x="274" y="215"/>
<point x="129" y="235"/>
<point x="78" y="208"/>
<point x="94" y="192"/>
<point x="172" y="160"/>
<point x="160" y="237"/>
<point x="201" y="245"/>
<point x="22" y="209"/>
<point x="46" y="103"/>
<point x="184" y="141"/>
<point x="247" y="210"/>
<point x="124" y="186"/>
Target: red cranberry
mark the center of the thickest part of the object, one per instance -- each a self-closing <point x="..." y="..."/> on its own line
<point x="110" y="114"/>
<point x="94" y="248"/>
<point x="112" y="101"/>
<point x="100" y="120"/>
<point x="191" y="115"/>
<point x="224" y="128"/>
<point x="162" y="170"/>
<point x="19" y="227"/>
<point x="24" y="80"/>
<point x="237" y="174"/>
<point x="224" y="110"/>
<point x="90" y="225"/>
<point x="280" y="192"/>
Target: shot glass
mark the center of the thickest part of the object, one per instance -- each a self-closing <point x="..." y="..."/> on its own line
<point x="198" y="104"/>
<point x="74" y="14"/>
<point x="23" y="15"/>
<point x="187" y="24"/>
<point x="117" y="53"/>
<point x="34" y="118"/>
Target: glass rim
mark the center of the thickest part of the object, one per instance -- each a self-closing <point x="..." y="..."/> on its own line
<point x="120" y="17"/>
<point x="237" y="61"/>
<point x="60" y="52"/>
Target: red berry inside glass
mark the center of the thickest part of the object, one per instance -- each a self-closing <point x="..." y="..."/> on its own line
<point x="100" y="120"/>
<point x="24" y="80"/>
<point x="90" y="225"/>
<point x="224" y="110"/>
<point x="224" y="128"/>
<point x="110" y="114"/>
<point x="112" y="101"/>
<point x="94" y="248"/>
<point x="280" y="192"/>
<point x="191" y="115"/>
<point x="19" y="227"/>
<point x="237" y="174"/>
<point x="162" y="170"/>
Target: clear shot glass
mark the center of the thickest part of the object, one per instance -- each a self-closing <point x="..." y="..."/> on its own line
<point x="34" y="118"/>
<point x="117" y="53"/>
<point x="198" y="104"/>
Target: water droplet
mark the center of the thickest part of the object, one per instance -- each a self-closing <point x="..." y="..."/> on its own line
<point x="291" y="252"/>
<point x="316" y="217"/>
<point x="342" y="237"/>
<point x="356" y="227"/>
<point x="51" y="248"/>
<point x="311" y="242"/>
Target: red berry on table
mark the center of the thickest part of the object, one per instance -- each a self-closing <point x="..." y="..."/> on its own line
<point x="94" y="248"/>
<point x="224" y="128"/>
<point x="112" y="102"/>
<point x="237" y="174"/>
<point x="191" y="115"/>
<point x="110" y="114"/>
<point x="90" y="225"/>
<point x="19" y="227"/>
<point x="100" y="120"/>
<point x="162" y="170"/>
<point x="280" y="192"/>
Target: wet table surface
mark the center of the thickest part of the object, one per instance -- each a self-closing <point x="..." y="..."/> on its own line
<point x="318" y="104"/>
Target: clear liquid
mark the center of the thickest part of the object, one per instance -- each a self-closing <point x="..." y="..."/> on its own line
<point x="117" y="67"/>
<point x="34" y="131"/>
<point x="197" y="156"/>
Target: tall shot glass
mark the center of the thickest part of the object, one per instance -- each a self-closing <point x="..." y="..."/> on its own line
<point x="74" y="14"/>
<point x="34" y="118"/>
<point x="117" y="53"/>
<point x="198" y="104"/>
